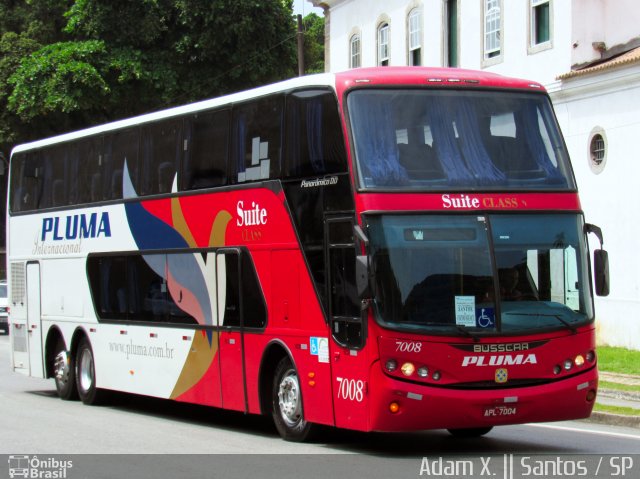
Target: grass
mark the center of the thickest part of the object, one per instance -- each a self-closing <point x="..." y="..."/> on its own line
<point x="618" y="386"/>
<point x="625" y="411"/>
<point x="618" y="360"/>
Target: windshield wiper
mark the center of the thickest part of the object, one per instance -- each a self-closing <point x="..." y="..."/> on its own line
<point x="571" y="327"/>
<point x="465" y="331"/>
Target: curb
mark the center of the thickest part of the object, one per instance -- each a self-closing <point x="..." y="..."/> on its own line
<point x="614" y="419"/>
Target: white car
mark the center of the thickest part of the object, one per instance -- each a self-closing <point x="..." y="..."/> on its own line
<point x="4" y="308"/>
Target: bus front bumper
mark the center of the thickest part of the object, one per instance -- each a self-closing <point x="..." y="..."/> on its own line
<point x="419" y="407"/>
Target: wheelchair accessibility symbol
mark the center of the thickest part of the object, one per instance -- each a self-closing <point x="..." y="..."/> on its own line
<point x="486" y="320"/>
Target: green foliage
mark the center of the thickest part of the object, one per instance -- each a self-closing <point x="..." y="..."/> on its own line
<point x="618" y="360"/>
<point x="69" y="64"/>
<point x="313" y="43"/>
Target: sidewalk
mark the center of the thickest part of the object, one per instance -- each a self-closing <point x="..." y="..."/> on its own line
<point x="616" y="397"/>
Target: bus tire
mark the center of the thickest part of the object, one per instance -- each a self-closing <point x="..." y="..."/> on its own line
<point x="287" y="410"/>
<point x="470" y="432"/>
<point x="86" y="374"/>
<point x="64" y="372"/>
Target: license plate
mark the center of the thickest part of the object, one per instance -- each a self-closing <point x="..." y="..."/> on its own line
<point x="497" y="411"/>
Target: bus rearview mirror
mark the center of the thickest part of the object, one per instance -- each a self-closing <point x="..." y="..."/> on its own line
<point x="601" y="270"/>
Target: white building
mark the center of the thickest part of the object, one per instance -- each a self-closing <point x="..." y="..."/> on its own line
<point x="586" y="52"/>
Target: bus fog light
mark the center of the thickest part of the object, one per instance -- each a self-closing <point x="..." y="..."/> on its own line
<point x="408" y="369"/>
<point x="567" y="364"/>
<point x="591" y="356"/>
<point x="557" y="369"/>
<point x="423" y="372"/>
<point x="394" y="407"/>
<point x="591" y="395"/>
<point x="579" y="360"/>
<point x="391" y="365"/>
<point x="436" y="376"/>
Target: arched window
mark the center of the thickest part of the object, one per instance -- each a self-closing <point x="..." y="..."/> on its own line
<point x="415" y="37"/>
<point x="354" y="49"/>
<point x="492" y="28"/>
<point x="383" y="45"/>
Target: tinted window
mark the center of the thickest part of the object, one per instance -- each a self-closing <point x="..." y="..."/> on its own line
<point x="119" y="147"/>
<point x="134" y="288"/>
<point x="91" y="158"/>
<point x="26" y="181"/>
<point x="241" y="284"/>
<point x="315" y="144"/>
<point x="160" y="156"/>
<point x="434" y="139"/>
<point x="257" y="139"/>
<point x="207" y="139"/>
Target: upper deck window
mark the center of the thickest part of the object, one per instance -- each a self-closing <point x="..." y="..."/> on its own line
<point x="465" y="140"/>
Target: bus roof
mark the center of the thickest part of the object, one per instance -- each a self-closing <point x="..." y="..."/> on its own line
<point x="424" y="76"/>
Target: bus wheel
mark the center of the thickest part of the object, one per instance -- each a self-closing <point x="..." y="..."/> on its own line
<point x="86" y="374"/>
<point x="470" y="432"/>
<point x="287" y="411"/>
<point x="64" y="373"/>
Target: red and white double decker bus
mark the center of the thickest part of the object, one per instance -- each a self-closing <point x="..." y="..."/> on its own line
<point x="384" y="249"/>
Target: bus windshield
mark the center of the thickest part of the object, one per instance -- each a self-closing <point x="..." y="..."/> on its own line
<point x="493" y="274"/>
<point x="425" y="139"/>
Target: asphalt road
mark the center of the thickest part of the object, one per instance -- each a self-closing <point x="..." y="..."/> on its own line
<point x="143" y="437"/>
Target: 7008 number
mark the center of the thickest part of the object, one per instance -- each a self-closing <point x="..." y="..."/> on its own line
<point x="351" y="389"/>
<point x="408" y="347"/>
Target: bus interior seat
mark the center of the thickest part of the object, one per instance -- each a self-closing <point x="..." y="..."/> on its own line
<point x="58" y="196"/>
<point x="511" y="156"/>
<point x="166" y="173"/>
<point x="420" y="161"/>
<point x="116" y="184"/>
<point x="433" y="299"/>
<point x="96" y="186"/>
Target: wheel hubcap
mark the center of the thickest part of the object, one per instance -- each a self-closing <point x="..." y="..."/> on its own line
<point x="61" y="367"/>
<point x="289" y="398"/>
<point x="86" y="375"/>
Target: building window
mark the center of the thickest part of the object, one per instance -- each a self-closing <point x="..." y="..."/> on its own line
<point x="492" y="29"/>
<point x="415" y="35"/>
<point x="354" y="48"/>
<point x="540" y="21"/>
<point x="383" y="45"/>
<point x="597" y="150"/>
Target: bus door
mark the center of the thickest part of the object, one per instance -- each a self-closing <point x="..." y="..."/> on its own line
<point x="231" y="327"/>
<point x="348" y="361"/>
<point x="34" y="322"/>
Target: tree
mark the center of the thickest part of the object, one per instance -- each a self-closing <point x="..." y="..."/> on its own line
<point x="100" y="60"/>
<point x="313" y="43"/>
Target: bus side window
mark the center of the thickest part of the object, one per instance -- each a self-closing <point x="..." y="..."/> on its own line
<point x="314" y="140"/>
<point x="118" y="147"/>
<point x="56" y="174"/>
<point x="89" y="167"/>
<point x="26" y="179"/>
<point x="257" y="140"/>
<point x="108" y="280"/>
<point x="160" y="156"/>
<point x="241" y="285"/>
<point x="207" y="145"/>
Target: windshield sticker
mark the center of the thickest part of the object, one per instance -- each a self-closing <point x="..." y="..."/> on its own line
<point x="486" y="317"/>
<point x="466" y="311"/>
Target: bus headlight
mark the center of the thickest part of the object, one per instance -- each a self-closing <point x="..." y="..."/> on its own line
<point x="391" y="365"/>
<point x="568" y="364"/>
<point x="579" y="360"/>
<point x="408" y="369"/>
<point x="423" y="371"/>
